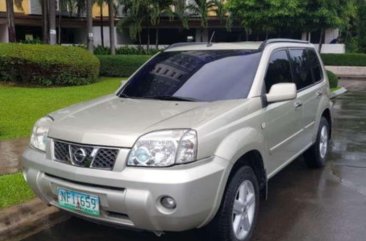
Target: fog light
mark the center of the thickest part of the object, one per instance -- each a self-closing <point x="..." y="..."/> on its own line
<point x="168" y="202"/>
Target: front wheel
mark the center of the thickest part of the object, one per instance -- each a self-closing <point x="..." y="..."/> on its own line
<point x="236" y="218"/>
<point x="316" y="155"/>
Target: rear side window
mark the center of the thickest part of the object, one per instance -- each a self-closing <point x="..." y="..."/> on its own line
<point x="306" y="67"/>
<point x="279" y="70"/>
<point x="314" y="65"/>
<point x="300" y="68"/>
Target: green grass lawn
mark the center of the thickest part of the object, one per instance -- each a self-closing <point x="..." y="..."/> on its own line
<point x="14" y="190"/>
<point x="22" y="106"/>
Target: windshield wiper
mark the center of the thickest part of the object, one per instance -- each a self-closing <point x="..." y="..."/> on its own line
<point x="167" y="97"/>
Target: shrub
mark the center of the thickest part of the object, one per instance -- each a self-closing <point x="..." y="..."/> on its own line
<point x="333" y="79"/>
<point x="120" y="65"/>
<point x="344" y="59"/>
<point x="99" y="50"/>
<point x="47" y="65"/>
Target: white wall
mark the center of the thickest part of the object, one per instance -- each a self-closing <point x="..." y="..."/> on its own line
<point x="332" y="48"/>
<point x="330" y="34"/>
<point x="4" y="33"/>
<point x="97" y="37"/>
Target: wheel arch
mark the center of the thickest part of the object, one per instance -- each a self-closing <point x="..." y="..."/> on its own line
<point x="254" y="160"/>
<point x="327" y="115"/>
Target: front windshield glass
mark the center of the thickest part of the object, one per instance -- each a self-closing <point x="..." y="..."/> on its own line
<point x="207" y="75"/>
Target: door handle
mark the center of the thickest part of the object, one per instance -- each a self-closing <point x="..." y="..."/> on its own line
<point x="298" y="104"/>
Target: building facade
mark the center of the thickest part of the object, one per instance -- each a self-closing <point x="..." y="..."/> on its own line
<point x="71" y="28"/>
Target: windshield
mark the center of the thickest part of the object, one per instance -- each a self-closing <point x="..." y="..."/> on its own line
<point x="208" y="75"/>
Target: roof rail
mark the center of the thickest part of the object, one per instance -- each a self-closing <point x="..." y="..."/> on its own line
<point x="281" y="40"/>
<point x="184" y="44"/>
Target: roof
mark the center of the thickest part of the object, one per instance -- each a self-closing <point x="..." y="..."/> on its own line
<point x="226" y="46"/>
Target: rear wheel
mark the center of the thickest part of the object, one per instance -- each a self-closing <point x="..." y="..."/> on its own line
<point x="316" y="155"/>
<point x="236" y="218"/>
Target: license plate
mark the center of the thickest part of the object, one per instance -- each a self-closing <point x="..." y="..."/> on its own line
<point x="77" y="201"/>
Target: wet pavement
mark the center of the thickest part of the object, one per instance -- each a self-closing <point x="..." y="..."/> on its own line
<point x="11" y="152"/>
<point x="304" y="204"/>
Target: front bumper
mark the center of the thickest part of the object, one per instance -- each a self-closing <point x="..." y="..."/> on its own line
<point x="130" y="197"/>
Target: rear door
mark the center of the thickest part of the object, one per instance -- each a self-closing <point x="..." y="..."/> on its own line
<point x="282" y="119"/>
<point x="307" y="74"/>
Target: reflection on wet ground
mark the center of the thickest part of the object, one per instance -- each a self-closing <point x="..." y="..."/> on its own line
<point x="303" y="204"/>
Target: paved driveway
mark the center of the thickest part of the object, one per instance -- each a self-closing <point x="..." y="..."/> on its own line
<point x="303" y="204"/>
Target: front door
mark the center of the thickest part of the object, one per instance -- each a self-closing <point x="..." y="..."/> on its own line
<point x="282" y="126"/>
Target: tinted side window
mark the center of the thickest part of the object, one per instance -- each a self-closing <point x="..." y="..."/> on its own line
<point x="300" y="68"/>
<point x="278" y="69"/>
<point x="314" y="65"/>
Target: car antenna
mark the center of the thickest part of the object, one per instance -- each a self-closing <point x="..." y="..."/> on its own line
<point x="209" y="44"/>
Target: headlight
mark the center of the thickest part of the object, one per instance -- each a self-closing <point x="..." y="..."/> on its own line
<point x="39" y="137"/>
<point x="164" y="148"/>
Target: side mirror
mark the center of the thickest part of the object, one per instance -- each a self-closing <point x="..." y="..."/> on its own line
<point x="281" y="92"/>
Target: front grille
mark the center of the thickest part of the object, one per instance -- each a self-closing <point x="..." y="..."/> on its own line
<point x="85" y="155"/>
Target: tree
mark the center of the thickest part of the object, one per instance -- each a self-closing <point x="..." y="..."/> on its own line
<point x="111" y="13"/>
<point x="100" y="4"/>
<point x="266" y="16"/>
<point x="52" y="21"/>
<point x="10" y="19"/>
<point x="323" y="14"/>
<point x="180" y="12"/>
<point x="200" y="8"/>
<point x="89" y="25"/>
<point x="136" y="15"/>
<point x="156" y="9"/>
<point x="45" y="32"/>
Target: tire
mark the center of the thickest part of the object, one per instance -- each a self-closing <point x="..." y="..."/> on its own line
<point x="316" y="155"/>
<point x="243" y="185"/>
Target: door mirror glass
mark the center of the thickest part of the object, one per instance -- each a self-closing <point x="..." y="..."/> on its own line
<point x="281" y="92"/>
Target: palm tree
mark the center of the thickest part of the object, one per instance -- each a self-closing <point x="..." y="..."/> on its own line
<point x="100" y="4"/>
<point x="180" y="12"/>
<point x="156" y="9"/>
<point x="44" y="8"/>
<point x="89" y="25"/>
<point x="52" y="21"/>
<point x="200" y="8"/>
<point x="111" y="14"/>
<point x="10" y="18"/>
<point x="136" y="13"/>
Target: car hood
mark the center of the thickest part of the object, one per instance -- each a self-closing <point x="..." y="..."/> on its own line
<point x="114" y="121"/>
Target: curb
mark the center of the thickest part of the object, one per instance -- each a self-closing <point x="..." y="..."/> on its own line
<point x="338" y="92"/>
<point x="21" y="221"/>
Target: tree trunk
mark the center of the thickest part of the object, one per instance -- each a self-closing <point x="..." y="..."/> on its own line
<point x="52" y="15"/>
<point x="112" y="43"/>
<point x="101" y="25"/>
<point x="45" y="35"/>
<point x="157" y="38"/>
<point x="322" y="33"/>
<point x="201" y="38"/>
<point x="10" y="18"/>
<point x="148" y="39"/>
<point x="89" y="25"/>
<point x="59" y="26"/>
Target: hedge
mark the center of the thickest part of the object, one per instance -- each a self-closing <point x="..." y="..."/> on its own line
<point x="344" y="59"/>
<point x="333" y="79"/>
<point x="120" y="65"/>
<point x="126" y="50"/>
<point x="36" y="64"/>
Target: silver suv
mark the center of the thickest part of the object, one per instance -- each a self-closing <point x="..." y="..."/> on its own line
<point x="190" y="141"/>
